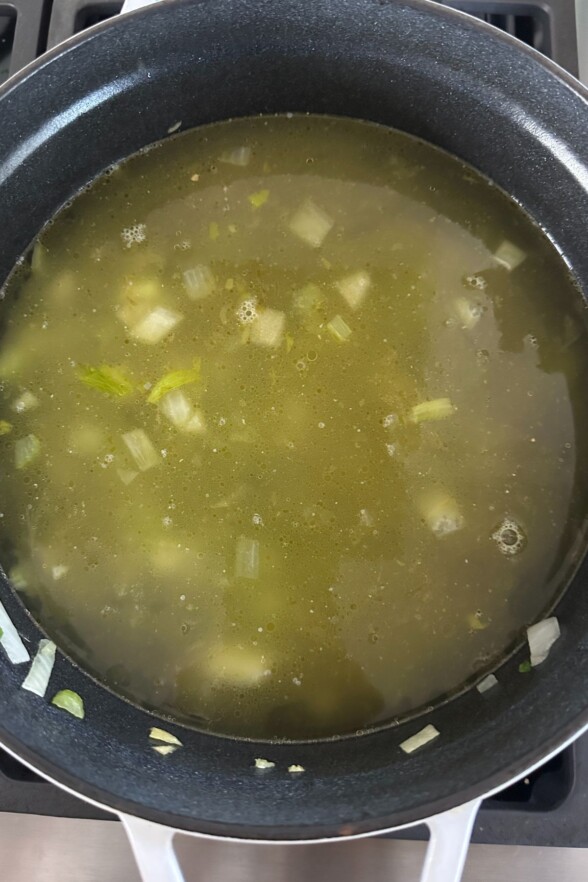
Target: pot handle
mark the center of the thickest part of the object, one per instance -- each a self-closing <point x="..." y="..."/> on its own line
<point x="449" y="842"/>
<point x="152" y="846"/>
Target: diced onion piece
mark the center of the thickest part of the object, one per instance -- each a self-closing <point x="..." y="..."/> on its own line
<point x="141" y="449"/>
<point x="39" y="257"/>
<point x="164" y="749"/>
<point x="247" y="558"/>
<point x="339" y="329"/>
<point x="354" y="288"/>
<point x="509" y="255"/>
<point x="176" y="408"/>
<point x="487" y="683"/>
<point x="162" y="735"/>
<point x="295" y="769"/>
<point x="18" y="578"/>
<point x="5" y="427"/>
<point x="59" y="572"/>
<point x="239" y="156"/>
<point x="259" y="198"/>
<point x="268" y="328"/>
<point x="10" y="640"/>
<point x="156" y="325"/>
<point x="468" y="312"/>
<point x="26" y="450"/>
<point x="420" y="739"/>
<point x="69" y="701"/>
<point x="311" y="224"/>
<point x="37" y="678"/>
<point x="437" y="409"/>
<point x="541" y="637"/>
<point x="237" y="666"/>
<point x="441" y="513"/>
<point x="24" y="402"/>
<point x="261" y="763"/>
<point x="309" y="298"/>
<point x="127" y="475"/>
<point x="199" y="282"/>
<point x="196" y="424"/>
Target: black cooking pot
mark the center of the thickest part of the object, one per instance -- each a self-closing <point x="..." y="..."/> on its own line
<point x="439" y="75"/>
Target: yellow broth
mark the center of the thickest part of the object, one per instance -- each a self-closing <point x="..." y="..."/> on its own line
<point x="291" y="415"/>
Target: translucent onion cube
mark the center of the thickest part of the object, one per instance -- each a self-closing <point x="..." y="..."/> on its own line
<point x="354" y="288"/>
<point x="141" y="449"/>
<point x="199" y="282"/>
<point x="311" y="224"/>
<point x="268" y="328"/>
<point x="509" y="255"/>
<point x="156" y="325"/>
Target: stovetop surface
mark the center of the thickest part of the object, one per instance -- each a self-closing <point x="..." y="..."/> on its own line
<point x="550" y="807"/>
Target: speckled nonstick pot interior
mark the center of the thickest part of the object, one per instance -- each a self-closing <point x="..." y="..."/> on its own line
<point x="412" y="65"/>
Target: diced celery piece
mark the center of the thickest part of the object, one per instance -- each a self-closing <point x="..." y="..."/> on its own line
<point x="213" y="231"/>
<point x="311" y="224"/>
<point x="174" y="380"/>
<point x="509" y="255"/>
<point x="339" y="329"/>
<point x="354" y="288"/>
<point x="247" y="558"/>
<point x="5" y="427"/>
<point x="107" y="379"/>
<point x="141" y="449"/>
<point x="437" y="409"/>
<point x="268" y="328"/>
<point x="199" y="282"/>
<point x="69" y="701"/>
<point x="156" y="325"/>
<point x="259" y="198"/>
<point x="26" y="450"/>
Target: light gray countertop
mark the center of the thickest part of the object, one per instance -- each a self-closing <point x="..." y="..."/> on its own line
<point x="42" y="849"/>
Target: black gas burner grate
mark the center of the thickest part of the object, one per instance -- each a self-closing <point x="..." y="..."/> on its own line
<point x="28" y="27"/>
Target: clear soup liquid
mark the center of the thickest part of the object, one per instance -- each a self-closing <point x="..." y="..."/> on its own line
<point x="291" y="414"/>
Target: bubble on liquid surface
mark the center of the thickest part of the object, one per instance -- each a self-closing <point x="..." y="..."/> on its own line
<point x="247" y="311"/>
<point x="133" y="235"/>
<point x="510" y="537"/>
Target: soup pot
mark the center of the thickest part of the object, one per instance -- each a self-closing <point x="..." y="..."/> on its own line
<point x="418" y="67"/>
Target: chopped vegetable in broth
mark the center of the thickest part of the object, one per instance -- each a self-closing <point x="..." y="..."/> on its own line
<point x="290" y="417"/>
